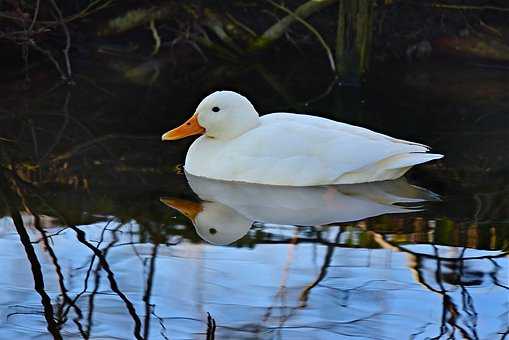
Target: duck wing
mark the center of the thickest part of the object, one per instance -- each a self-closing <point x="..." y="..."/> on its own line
<point x="303" y="150"/>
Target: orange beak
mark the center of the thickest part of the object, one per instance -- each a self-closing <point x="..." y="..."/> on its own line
<point x="189" y="128"/>
<point x="187" y="208"/>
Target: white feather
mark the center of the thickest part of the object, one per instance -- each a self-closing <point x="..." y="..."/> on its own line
<point x="294" y="149"/>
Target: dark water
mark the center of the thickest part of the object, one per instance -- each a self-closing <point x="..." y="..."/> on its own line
<point x="103" y="237"/>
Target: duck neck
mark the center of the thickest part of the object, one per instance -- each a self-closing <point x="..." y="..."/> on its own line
<point x="234" y="128"/>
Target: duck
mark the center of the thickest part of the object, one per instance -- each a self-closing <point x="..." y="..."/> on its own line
<point x="288" y="149"/>
<point x="227" y="210"/>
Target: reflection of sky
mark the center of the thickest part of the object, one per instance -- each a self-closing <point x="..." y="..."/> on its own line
<point x="366" y="293"/>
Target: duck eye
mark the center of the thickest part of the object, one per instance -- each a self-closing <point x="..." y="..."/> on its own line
<point x="215" y="109"/>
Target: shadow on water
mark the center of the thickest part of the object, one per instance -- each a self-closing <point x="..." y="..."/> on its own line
<point x="88" y="250"/>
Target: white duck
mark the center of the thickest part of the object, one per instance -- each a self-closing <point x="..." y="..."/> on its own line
<point x="229" y="209"/>
<point x="288" y="149"/>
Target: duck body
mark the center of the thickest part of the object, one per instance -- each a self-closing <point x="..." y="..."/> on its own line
<point x="302" y="150"/>
<point x="293" y="149"/>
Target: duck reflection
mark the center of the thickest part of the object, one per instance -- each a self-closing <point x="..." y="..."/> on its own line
<point x="229" y="209"/>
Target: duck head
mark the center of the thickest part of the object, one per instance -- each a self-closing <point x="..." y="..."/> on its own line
<point x="221" y="115"/>
<point x="214" y="222"/>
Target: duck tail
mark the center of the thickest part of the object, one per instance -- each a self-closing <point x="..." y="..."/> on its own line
<point x="410" y="159"/>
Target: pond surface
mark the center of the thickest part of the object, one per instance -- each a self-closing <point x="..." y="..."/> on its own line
<point x="102" y="235"/>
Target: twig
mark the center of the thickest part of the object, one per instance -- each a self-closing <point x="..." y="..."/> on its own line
<point x="470" y="7"/>
<point x="149" y="308"/>
<point x="241" y="25"/>
<point x="312" y="30"/>
<point x="34" y="139"/>
<point x="155" y="35"/>
<point x="67" y="47"/>
<point x="60" y="276"/>
<point x="49" y="55"/>
<point x="36" y="268"/>
<point x="211" y="327"/>
<point x="34" y="18"/>
<point x="277" y="30"/>
<point x="89" y="10"/>
<point x="322" y="95"/>
<point x="304" y="295"/>
<point x="80" y="234"/>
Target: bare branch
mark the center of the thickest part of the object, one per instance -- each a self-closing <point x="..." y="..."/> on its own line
<point x="67" y="47"/>
<point x="277" y="30"/>
<point x="312" y="29"/>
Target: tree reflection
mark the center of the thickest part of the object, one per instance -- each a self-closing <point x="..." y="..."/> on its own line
<point x="69" y="190"/>
<point x="450" y="277"/>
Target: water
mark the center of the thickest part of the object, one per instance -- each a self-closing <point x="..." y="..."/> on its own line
<point x="103" y="236"/>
